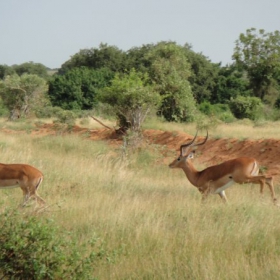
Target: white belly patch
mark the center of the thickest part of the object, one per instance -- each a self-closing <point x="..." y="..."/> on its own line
<point x="224" y="187"/>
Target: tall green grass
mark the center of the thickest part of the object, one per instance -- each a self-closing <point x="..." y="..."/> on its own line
<point x="149" y="218"/>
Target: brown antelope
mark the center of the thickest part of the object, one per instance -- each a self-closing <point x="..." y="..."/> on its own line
<point x="215" y="179"/>
<point x="27" y="177"/>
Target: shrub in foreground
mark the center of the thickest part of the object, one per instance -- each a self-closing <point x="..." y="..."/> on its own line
<point x="34" y="249"/>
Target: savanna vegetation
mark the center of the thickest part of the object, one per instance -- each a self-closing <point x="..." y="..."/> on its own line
<point x="119" y="212"/>
<point x="117" y="215"/>
<point x="164" y="79"/>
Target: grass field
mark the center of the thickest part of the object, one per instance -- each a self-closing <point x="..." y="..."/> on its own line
<point x="148" y="217"/>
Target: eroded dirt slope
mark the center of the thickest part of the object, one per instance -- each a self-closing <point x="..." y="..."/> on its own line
<point x="266" y="151"/>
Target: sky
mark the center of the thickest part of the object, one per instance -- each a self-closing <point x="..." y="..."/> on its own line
<point x="51" y="31"/>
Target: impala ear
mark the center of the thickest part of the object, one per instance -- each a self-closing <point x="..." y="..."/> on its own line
<point x="191" y="154"/>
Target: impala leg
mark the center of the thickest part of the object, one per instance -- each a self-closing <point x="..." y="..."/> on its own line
<point x="262" y="180"/>
<point x="33" y="195"/>
<point x="269" y="182"/>
<point x="205" y="193"/>
<point x="25" y="197"/>
<point x="204" y="197"/>
<point x="30" y="192"/>
<point x="223" y="196"/>
<point x="261" y="187"/>
<point x="39" y="200"/>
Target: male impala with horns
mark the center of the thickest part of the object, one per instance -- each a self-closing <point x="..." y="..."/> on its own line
<point x="215" y="179"/>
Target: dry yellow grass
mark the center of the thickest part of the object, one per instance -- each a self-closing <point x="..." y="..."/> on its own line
<point x="148" y="217"/>
<point x="241" y="130"/>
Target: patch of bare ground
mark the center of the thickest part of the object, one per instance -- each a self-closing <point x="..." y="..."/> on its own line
<point x="215" y="151"/>
<point x="266" y="151"/>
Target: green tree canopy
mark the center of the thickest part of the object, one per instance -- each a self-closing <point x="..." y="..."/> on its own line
<point x="169" y="72"/>
<point x="258" y="53"/>
<point x="32" y="68"/>
<point x="137" y="58"/>
<point x="246" y="107"/>
<point x="131" y="97"/>
<point x="231" y="83"/>
<point x="6" y="70"/>
<point x="105" y="56"/>
<point x="77" y="88"/>
<point x="203" y="77"/>
<point x="23" y="94"/>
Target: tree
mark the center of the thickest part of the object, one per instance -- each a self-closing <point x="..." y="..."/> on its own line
<point x="105" y="56"/>
<point x="169" y="72"/>
<point x="203" y="77"/>
<point x="259" y="54"/>
<point x="23" y="94"/>
<point x="6" y="70"/>
<point x="246" y="107"/>
<point x="138" y="59"/>
<point x="231" y="83"/>
<point x="131" y="97"/>
<point x="77" y="88"/>
<point x="32" y="68"/>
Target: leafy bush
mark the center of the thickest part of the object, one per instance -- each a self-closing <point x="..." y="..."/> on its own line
<point x="131" y="98"/>
<point x="205" y="123"/>
<point x="65" y="117"/>
<point x="220" y="111"/>
<point x="34" y="249"/>
<point x="23" y="95"/>
<point x="246" y="107"/>
<point x="77" y="88"/>
<point x="4" y="111"/>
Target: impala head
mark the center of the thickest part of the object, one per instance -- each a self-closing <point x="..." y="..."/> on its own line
<point x="187" y="152"/>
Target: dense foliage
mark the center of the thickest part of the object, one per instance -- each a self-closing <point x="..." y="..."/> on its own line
<point x="170" y="71"/>
<point x="246" y="107"/>
<point x="77" y="89"/>
<point x="23" y="94"/>
<point x="183" y="78"/>
<point x="131" y="98"/>
<point x="34" y="249"/>
<point x="258" y="53"/>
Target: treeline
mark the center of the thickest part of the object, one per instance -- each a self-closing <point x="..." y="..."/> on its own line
<point x="168" y="79"/>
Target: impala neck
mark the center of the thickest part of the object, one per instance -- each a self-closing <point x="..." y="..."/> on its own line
<point x="191" y="172"/>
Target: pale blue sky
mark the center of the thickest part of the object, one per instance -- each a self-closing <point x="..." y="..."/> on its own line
<point x="51" y="31"/>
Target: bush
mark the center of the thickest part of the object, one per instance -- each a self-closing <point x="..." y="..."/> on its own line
<point x="66" y="117"/>
<point x="34" y="249"/>
<point x="205" y="123"/>
<point x="246" y="107"/>
<point x="219" y="111"/>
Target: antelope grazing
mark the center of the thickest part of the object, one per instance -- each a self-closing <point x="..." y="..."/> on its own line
<point x="215" y="179"/>
<point x="27" y="177"/>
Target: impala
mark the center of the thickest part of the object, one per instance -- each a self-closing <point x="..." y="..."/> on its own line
<point x="215" y="179"/>
<point x="27" y="177"/>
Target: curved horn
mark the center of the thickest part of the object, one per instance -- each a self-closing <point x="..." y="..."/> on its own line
<point x="188" y="144"/>
<point x="203" y="142"/>
<point x="191" y="143"/>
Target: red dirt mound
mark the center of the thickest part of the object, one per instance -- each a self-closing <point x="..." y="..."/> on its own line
<point x="266" y="151"/>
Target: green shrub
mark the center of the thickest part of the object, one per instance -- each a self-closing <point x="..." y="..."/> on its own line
<point x="206" y="108"/>
<point x="65" y="120"/>
<point x="220" y="111"/>
<point x="246" y="107"/>
<point x="34" y="249"/>
<point x="4" y="111"/>
<point x="205" y="123"/>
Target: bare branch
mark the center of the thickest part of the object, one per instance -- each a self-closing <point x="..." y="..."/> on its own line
<point x="18" y="88"/>
<point x="102" y="123"/>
